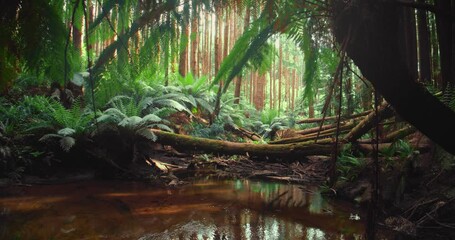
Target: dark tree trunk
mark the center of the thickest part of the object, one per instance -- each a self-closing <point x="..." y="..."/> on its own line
<point x="424" y="45"/>
<point x="453" y="43"/>
<point x="371" y="27"/>
<point x="434" y="51"/>
<point x="444" y="30"/>
<point x="408" y="41"/>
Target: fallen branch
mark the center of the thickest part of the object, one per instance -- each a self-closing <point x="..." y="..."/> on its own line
<point x="324" y="127"/>
<point x="368" y="122"/>
<point x="316" y="120"/>
<point x="312" y="136"/>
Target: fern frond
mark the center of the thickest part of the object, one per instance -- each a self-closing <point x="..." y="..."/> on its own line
<point x="145" y="132"/>
<point x="49" y="136"/>
<point x="117" y="99"/>
<point x="173" y="104"/>
<point x="66" y="143"/>
<point x="151" y="118"/>
<point x="111" y="115"/>
<point x="161" y="127"/>
<point x="130" y="122"/>
<point x="66" y="132"/>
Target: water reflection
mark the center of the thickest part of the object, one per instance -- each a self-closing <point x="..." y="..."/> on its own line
<point x="233" y="209"/>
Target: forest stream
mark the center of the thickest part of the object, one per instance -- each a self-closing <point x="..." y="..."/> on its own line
<point x="204" y="209"/>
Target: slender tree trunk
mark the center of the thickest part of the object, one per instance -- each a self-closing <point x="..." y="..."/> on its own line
<point x="434" y="52"/>
<point x="409" y="42"/>
<point x="238" y="82"/>
<point x="349" y="96"/>
<point x="424" y="45"/>
<point x="195" y="43"/>
<point x="311" y="107"/>
<point x="293" y="88"/>
<point x="280" y="75"/>
<point x="226" y="33"/>
<point x="444" y="29"/>
<point x="218" y="50"/>
<point x="453" y="44"/>
<point x="77" y="33"/>
<point x="90" y="21"/>
<point x="259" y="92"/>
<point x="183" y="62"/>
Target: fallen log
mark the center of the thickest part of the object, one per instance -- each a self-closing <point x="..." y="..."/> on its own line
<point x="276" y="151"/>
<point x="384" y="112"/>
<point x="401" y="133"/>
<point x="243" y="133"/>
<point x="312" y="136"/>
<point x="316" y="120"/>
<point x="324" y="127"/>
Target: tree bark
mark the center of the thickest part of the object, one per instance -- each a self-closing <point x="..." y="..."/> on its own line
<point x="371" y="27"/>
<point x="280" y="74"/>
<point x="238" y="83"/>
<point x="444" y="30"/>
<point x="277" y="151"/>
<point x="195" y="43"/>
<point x="408" y="40"/>
<point x="424" y="46"/>
<point x="368" y="122"/>
<point x="315" y="120"/>
<point x="183" y="61"/>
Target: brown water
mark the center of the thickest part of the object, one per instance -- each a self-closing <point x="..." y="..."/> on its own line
<point x="211" y="209"/>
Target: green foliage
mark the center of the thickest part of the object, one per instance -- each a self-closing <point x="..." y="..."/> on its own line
<point x="400" y="148"/>
<point x="214" y="131"/>
<point x="348" y="165"/>
<point x="65" y="125"/>
<point x="197" y="92"/>
<point x="133" y="117"/>
<point x="250" y="49"/>
<point x="34" y="35"/>
<point x="47" y="118"/>
<point x="270" y="122"/>
<point x="19" y="116"/>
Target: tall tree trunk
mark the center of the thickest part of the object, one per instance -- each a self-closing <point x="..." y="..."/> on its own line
<point x="293" y="87"/>
<point x="311" y="106"/>
<point x="371" y="28"/>
<point x="77" y="33"/>
<point x="90" y="21"/>
<point x="226" y="33"/>
<point x="195" y="43"/>
<point x="183" y="62"/>
<point x="444" y="29"/>
<point x="453" y="44"/>
<point x="238" y="82"/>
<point x="409" y="42"/>
<point x="218" y="58"/>
<point x="348" y="93"/>
<point x="259" y="96"/>
<point x="218" y="49"/>
<point x="424" y="45"/>
<point x="280" y="74"/>
<point x="434" y="52"/>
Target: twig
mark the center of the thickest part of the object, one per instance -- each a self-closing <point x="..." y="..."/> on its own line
<point x="414" y="208"/>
